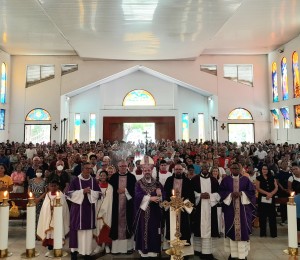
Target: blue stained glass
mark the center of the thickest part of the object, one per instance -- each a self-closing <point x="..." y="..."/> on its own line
<point x="77" y="119"/>
<point x="77" y="127"/>
<point x="284" y="80"/>
<point x="2" y="119"/>
<point x="3" y="84"/>
<point x="274" y="82"/>
<point x="275" y="114"/>
<point x="286" y="117"/>
<point x="285" y="112"/>
<point x="38" y="114"/>
<point x="139" y="97"/>
<point x="240" y="113"/>
<point x="185" y="126"/>
<point x="92" y="127"/>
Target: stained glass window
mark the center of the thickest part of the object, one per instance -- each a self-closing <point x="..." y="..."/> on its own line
<point x="139" y="97"/>
<point x="92" y="127"/>
<point x="2" y="119"/>
<point x="38" y="114"/>
<point x="274" y="82"/>
<point x="284" y="80"/>
<point x="296" y="77"/>
<point x="275" y="114"/>
<point x="286" y="117"/>
<point x="77" y="127"/>
<point x="240" y="113"/>
<point x="201" y="133"/>
<point x="3" y="83"/>
<point x="185" y="126"/>
<point x="297" y="116"/>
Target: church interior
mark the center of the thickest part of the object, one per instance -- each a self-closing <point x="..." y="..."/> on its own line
<point x="179" y="70"/>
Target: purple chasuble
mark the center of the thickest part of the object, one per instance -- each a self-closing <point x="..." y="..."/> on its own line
<point x="238" y="217"/>
<point x="82" y="216"/>
<point x="147" y="224"/>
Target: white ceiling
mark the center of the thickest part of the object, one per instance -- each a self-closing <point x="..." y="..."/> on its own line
<point x="146" y="29"/>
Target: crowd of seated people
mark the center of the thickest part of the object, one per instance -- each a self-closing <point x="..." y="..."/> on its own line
<point x="272" y="168"/>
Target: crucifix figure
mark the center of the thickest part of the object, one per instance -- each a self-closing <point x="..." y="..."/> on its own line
<point x="177" y="204"/>
<point x="146" y="145"/>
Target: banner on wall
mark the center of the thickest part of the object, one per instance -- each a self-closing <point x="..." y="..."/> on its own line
<point x="275" y="114"/>
<point x="285" y="113"/>
<point x="297" y="116"/>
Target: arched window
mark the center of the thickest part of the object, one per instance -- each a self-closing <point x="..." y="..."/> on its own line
<point x="139" y="97"/>
<point x="284" y="80"/>
<point x="38" y="114"/>
<point x="274" y="82"/>
<point x="296" y="77"/>
<point x="240" y="113"/>
<point x="3" y="84"/>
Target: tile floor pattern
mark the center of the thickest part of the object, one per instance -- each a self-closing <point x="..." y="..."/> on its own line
<point x="266" y="248"/>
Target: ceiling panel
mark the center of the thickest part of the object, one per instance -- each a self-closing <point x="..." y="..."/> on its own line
<point x="146" y="30"/>
<point x="25" y="29"/>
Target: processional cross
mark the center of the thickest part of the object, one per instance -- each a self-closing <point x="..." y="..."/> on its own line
<point x="146" y="148"/>
<point x="176" y="204"/>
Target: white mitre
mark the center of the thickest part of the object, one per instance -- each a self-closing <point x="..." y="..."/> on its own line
<point x="147" y="160"/>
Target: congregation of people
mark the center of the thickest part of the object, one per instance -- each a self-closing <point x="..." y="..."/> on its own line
<point x="112" y="193"/>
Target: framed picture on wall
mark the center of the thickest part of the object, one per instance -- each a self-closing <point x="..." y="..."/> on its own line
<point x="297" y="116"/>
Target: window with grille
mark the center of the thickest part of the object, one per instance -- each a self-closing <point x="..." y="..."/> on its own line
<point x="242" y="73"/>
<point x="39" y="73"/>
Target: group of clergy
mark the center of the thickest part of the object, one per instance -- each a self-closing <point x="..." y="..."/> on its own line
<point x="236" y="195"/>
<point x="136" y="220"/>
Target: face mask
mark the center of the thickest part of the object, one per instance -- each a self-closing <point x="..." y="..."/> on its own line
<point x="39" y="174"/>
<point x="60" y="167"/>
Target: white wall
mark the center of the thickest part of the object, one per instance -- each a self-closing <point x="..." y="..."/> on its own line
<point x="282" y="135"/>
<point x="107" y="99"/>
<point x="4" y="57"/>
<point x="227" y="94"/>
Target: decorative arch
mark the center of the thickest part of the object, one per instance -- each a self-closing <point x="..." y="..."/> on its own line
<point x="139" y="97"/>
<point x="38" y="114"/>
<point x="274" y="82"/>
<point x="3" y="83"/>
<point x="296" y="78"/>
<point x="240" y="114"/>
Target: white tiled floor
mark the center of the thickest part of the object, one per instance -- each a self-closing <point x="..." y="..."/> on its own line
<point x="261" y="248"/>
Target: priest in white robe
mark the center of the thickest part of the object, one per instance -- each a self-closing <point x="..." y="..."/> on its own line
<point x="205" y="223"/>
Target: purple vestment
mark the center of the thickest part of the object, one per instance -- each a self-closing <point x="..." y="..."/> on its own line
<point x="82" y="215"/>
<point x="243" y="224"/>
<point x="147" y="224"/>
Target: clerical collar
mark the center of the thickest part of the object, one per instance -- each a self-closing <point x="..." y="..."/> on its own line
<point x="81" y="177"/>
<point x="178" y="176"/>
<point x="235" y="177"/>
<point x="204" y="176"/>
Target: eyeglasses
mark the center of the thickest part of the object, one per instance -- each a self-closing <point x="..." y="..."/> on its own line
<point x="234" y="168"/>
